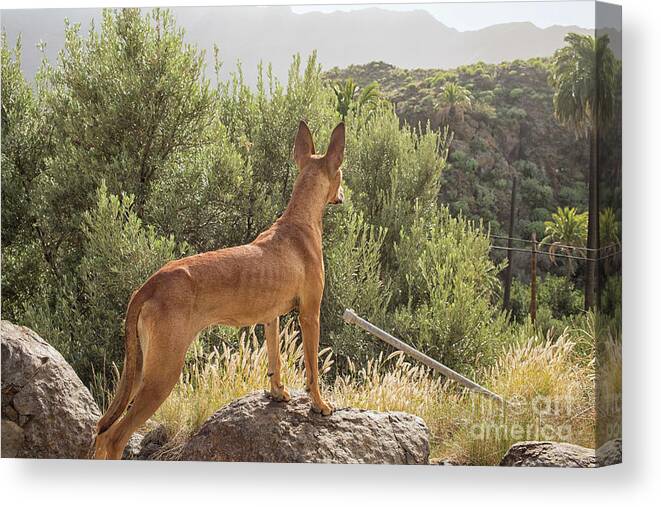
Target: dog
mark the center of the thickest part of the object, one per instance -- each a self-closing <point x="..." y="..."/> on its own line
<point x="281" y="270"/>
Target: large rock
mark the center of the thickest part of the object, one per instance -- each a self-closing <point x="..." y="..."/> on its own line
<point x="560" y="454"/>
<point x="256" y="429"/>
<point x="610" y="453"/>
<point x="146" y="447"/>
<point x="47" y="412"/>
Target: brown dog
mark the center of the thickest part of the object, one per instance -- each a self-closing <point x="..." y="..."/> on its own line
<point x="280" y="271"/>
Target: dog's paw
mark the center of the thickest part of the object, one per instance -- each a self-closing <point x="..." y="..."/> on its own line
<point x="322" y="408"/>
<point x="280" y="394"/>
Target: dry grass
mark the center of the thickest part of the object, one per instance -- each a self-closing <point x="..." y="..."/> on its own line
<point x="550" y="388"/>
<point x="551" y="397"/>
<point x="210" y="382"/>
<point x="609" y="379"/>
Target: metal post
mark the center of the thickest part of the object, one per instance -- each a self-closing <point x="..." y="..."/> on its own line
<point x="351" y="318"/>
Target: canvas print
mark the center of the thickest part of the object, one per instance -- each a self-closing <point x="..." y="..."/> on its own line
<point x="378" y="234"/>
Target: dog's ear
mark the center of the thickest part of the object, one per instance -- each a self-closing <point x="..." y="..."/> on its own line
<point x="335" y="153"/>
<point x="303" y="145"/>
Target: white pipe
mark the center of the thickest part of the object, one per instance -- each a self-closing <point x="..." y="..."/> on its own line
<point x="351" y="318"/>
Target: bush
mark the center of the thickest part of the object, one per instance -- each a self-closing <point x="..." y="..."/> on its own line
<point x="204" y="201"/>
<point x="557" y="300"/>
<point x="28" y="254"/>
<point x="353" y="280"/>
<point x="83" y="316"/>
<point x="516" y="113"/>
<point x="516" y="93"/>
<point x="261" y="124"/>
<point x="389" y="168"/>
<point x="450" y="285"/>
<point x="127" y="102"/>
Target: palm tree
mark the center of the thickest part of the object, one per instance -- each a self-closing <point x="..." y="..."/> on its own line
<point x="350" y="97"/>
<point x="609" y="235"/>
<point x="369" y="98"/>
<point x="566" y="233"/>
<point x="455" y="99"/>
<point x="345" y="94"/>
<point x="583" y="75"/>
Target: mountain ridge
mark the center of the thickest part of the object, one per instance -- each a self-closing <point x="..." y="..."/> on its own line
<point x="410" y="39"/>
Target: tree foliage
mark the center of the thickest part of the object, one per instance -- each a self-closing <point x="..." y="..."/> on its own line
<point x="583" y="75"/>
<point x="566" y="232"/>
<point x="125" y="157"/>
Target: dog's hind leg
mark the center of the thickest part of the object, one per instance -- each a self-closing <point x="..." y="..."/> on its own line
<point x="163" y="363"/>
<point x="272" y="333"/>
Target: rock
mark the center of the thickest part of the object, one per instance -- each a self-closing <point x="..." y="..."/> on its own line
<point x="43" y="396"/>
<point x="141" y="447"/>
<point x="257" y="429"/>
<point x="152" y="442"/>
<point x="548" y="454"/>
<point x="133" y="447"/>
<point x="13" y="437"/>
<point x="610" y="453"/>
<point x="560" y="454"/>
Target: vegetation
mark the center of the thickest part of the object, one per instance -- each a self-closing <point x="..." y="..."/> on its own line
<point x="456" y="99"/>
<point x="548" y="381"/>
<point x="122" y="155"/>
<point x="566" y="233"/>
<point x="350" y="98"/>
<point x="584" y="75"/>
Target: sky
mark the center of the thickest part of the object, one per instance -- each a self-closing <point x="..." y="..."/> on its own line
<point x="476" y="15"/>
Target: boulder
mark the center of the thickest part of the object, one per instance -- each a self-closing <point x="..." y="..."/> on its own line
<point x="12" y="438"/>
<point x="610" y="453"/>
<point x="152" y="443"/>
<point x="47" y="412"/>
<point x="257" y="429"/>
<point x="561" y="454"/>
<point x="133" y="447"/>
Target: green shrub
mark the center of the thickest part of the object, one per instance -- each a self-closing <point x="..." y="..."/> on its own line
<point x="451" y="286"/>
<point x="516" y="93"/>
<point x="516" y="113"/>
<point x="206" y="200"/>
<point x="557" y="299"/>
<point x="353" y="280"/>
<point x="129" y="100"/>
<point x="261" y="124"/>
<point x="83" y="316"/>
<point x="391" y="167"/>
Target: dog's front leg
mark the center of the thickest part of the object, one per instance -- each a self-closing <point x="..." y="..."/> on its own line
<point x="272" y="334"/>
<point x="310" y="329"/>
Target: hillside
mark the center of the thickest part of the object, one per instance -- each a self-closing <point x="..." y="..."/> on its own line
<point x="273" y="34"/>
<point x="509" y="129"/>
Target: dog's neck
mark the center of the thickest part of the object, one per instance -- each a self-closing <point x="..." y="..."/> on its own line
<point x="308" y="199"/>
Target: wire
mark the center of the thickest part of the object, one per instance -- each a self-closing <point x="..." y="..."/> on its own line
<point x="541" y="252"/>
<point x="559" y="245"/>
<point x="564" y="256"/>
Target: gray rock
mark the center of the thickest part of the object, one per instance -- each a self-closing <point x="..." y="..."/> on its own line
<point x="257" y="429"/>
<point x="145" y="447"/>
<point x="560" y="454"/>
<point x="549" y="454"/>
<point x="133" y="447"/>
<point x="610" y="453"/>
<point x="12" y="438"/>
<point x="153" y="442"/>
<point x="43" y="396"/>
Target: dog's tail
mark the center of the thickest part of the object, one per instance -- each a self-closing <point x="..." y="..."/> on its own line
<point x="132" y="359"/>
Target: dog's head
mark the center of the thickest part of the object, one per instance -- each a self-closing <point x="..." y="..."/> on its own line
<point x="327" y="165"/>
